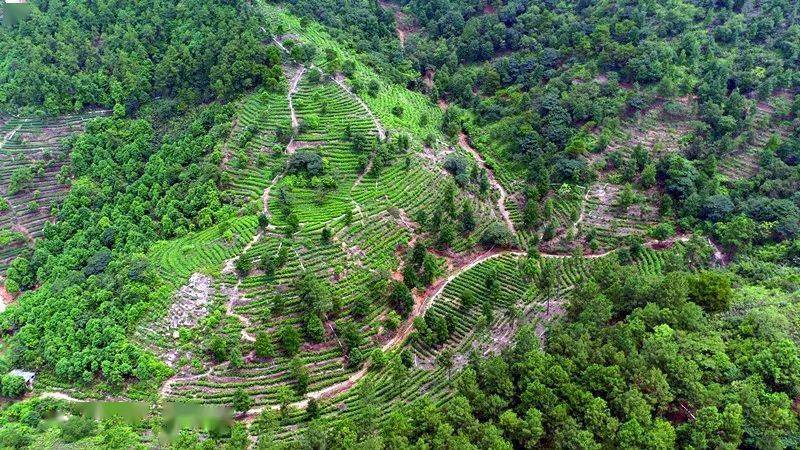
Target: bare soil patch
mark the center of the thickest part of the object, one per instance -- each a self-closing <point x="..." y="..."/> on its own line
<point x="191" y="302"/>
<point x="294" y="146"/>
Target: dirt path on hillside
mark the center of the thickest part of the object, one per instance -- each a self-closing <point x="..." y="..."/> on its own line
<point x="400" y="27"/>
<point x="296" y="79"/>
<point x="404" y="24"/>
<point x="266" y="193"/>
<point x="277" y="42"/>
<point x="226" y="155"/>
<point x="292" y="90"/>
<point x="293" y="146"/>
<point x="10" y="135"/>
<point x="719" y="256"/>
<point x="5" y="297"/>
<point x="168" y="384"/>
<point x="422" y="302"/>
<point x="229" y="267"/>
<point x="234" y="296"/>
<point x="463" y="141"/>
<point x="22" y="229"/>
<point x="60" y="396"/>
<point x="582" y="215"/>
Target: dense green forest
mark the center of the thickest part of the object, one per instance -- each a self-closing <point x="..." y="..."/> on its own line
<point x="410" y="224"/>
<point x="69" y="56"/>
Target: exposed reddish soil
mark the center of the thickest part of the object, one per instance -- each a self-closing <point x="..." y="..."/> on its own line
<point x="6" y="296"/>
<point x="294" y="146"/>
<point x="405" y="24"/>
<point x="427" y="78"/>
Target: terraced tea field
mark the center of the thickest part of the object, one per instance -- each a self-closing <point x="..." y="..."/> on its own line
<point x="347" y="233"/>
<point x="744" y="162"/>
<point x="32" y="153"/>
<point x="368" y="211"/>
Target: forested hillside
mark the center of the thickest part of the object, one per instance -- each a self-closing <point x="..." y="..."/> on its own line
<point x="411" y="224"/>
<point x="69" y="56"/>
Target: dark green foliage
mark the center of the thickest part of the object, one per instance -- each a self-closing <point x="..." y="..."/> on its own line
<point x="418" y="253"/>
<point x="76" y="428"/>
<point x="12" y="386"/>
<point x="457" y="165"/>
<point x="314" y="328"/>
<point x="712" y="291"/>
<point x="530" y="214"/>
<point x="241" y="400"/>
<point x="300" y="376"/>
<point x="263" y="221"/>
<point x="350" y="335"/>
<point x="263" y="346"/>
<point x="219" y="348"/>
<point x="326" y="235"/>
<point x="111" y="54"/>
<point x="312" y="410"/>
<point x="268" y="264"/>
<point x="400" y="298"/>
<point x="243" y="265"/>
<point x="434" y="329"/>
<point x="93" y="290"/>
<point x="430" y="270"/>
<point x="496" y="234"/>
<point x="360" y="307"/>
<point x="316" y="294"/>
<point x="290" y="339"/>
<point x="306" y="162"/>
<point x="447" y="234"/>
<point x="640" y="359"/>
<point x="467" y="218"/>
<point x="657" y="372"/>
